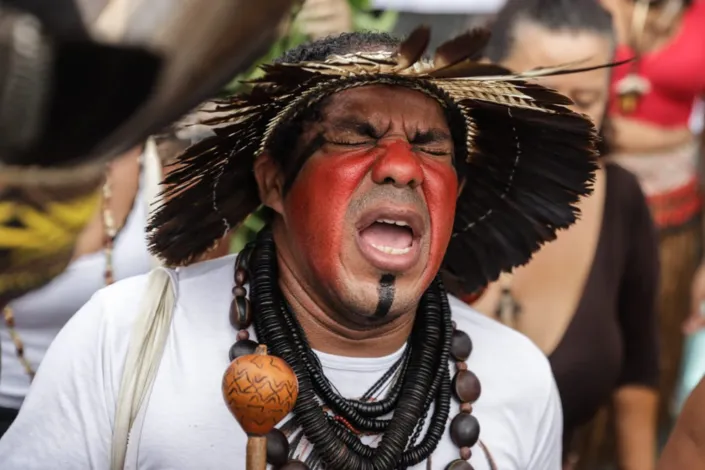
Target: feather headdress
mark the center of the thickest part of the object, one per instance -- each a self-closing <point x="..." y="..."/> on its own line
<point x="527" y="159"/>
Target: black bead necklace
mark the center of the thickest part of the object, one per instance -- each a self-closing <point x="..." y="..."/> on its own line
<point x="332" y="423"/>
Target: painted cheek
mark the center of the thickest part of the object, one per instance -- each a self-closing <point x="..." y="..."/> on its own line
<point x="316" y="206"/>
<point x="441" y="192"/>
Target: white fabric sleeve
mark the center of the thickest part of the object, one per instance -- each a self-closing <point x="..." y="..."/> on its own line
<point x="66" y="419"/>
<point x="548" y="443"/>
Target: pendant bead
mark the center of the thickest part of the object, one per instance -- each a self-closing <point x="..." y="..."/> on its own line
<point x="240" y="313"/>
<point x="242" y="348"/>
<point x="466" y="386"/>
<point x="243" y="335"/>
<point x="460" y="346"/>
<point x="240" y="277"/>
<point x="277" y="448"/>
<point x="459" y="465"/>
<point x="464" y="430"/>
<point x="239" y="291"/>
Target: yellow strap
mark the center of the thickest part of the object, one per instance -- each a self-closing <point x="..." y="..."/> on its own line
<point x="56" y="226"/>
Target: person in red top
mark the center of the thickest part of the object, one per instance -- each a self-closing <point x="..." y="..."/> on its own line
<point x="653" y="98"/>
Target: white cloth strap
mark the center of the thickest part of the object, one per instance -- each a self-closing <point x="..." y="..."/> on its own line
<point x="153" y="175"/>
<point x="148" y="339"/>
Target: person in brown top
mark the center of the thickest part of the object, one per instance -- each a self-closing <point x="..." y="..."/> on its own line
<point x="588" y="298"/>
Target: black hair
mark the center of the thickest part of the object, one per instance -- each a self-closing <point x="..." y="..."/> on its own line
<point x="572" y="15"/>
<point x="345" y="43"/>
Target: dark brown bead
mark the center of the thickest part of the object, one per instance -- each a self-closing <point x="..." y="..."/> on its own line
<point x="460" y="346"/>
<point x="242" y="348"/>
<point x="459" y="465"/>
<point x="239" y="291"/>
<point x="277" y="448"/>
<point x="461" y="365"/>
<point x="242" y="335"/>
<point x="466" y="408"/>
<point x="466" y="386"/>
<point x="240" y="277"/>
<point x="464" y="430"/>
<point x="465" y="453"/>
<point x="240" y="313"/>
<point x="294" y="465"/>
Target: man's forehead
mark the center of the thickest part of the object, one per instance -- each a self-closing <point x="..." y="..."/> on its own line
<point x="378" y="104"/>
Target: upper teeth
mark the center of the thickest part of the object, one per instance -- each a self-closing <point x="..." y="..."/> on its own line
<point x="392" y="222"/>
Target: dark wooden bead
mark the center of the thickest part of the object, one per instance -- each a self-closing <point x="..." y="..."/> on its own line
<point x="466" y="408"/>
<point x="242" y="348"/>
<point x="459" y="465"/>
<point x="465" y="453"/>
<point x="466" y="386"/>
<point x="277" y="448"/>
<point x="242" y="335"/>
<point x="239" y="291"/>
<point x="240" y="277"/>
<point x="294" y="465"/>
<point x="460" y="346"/>
<point x="464" y="430"/>
<point x="240" y="313"/>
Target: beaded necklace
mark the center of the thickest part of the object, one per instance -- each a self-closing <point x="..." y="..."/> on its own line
<point x="333" y="425"/>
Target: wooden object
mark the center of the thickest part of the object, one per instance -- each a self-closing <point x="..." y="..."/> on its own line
<point x="260" y="390"/>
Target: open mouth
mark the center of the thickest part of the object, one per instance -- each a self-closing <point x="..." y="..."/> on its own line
<point x="393" y="237"/>
<point x="389" y="238"/>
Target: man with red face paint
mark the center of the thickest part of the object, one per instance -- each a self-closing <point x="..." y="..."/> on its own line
<point x="383" y="175"/>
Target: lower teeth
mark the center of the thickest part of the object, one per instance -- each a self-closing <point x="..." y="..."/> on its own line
<point x="392" y="251"/>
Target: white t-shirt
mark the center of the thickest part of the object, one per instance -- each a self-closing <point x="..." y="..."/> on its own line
<point x="66" y="421"/>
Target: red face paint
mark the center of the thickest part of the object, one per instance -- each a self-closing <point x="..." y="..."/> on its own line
<point x="341" y="183"/>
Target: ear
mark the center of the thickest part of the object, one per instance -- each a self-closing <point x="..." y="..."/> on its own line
<point x="270" y="182"/>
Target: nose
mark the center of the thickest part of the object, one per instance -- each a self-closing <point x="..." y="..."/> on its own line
<point x="398" y="166"/>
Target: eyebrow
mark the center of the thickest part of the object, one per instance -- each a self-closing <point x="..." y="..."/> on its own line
<point x="430" y="136"/>
<point x="363" y="127"/>
<point x="360" y="126"/>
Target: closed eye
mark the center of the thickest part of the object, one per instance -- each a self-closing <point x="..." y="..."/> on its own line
<point x="349" y="143"/>
<point x="436" y="152"/>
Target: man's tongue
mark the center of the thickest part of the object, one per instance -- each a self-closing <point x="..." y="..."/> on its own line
<point x="387" y="235"/>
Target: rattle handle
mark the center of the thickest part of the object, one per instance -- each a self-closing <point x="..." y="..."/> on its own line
<point x="256" y="453"/>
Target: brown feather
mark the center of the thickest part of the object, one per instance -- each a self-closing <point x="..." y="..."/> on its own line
<point x="413" y="48"/>
<point x="469" y="68"/>
<point x="540" y="72"/>
<point x="465" y="46"/>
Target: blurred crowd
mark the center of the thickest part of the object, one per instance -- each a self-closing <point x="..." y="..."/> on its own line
<point x="616" y="302"/>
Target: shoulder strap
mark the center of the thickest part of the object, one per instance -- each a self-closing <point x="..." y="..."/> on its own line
<point x="152" y="177"/>
<point x="147" y="342"/>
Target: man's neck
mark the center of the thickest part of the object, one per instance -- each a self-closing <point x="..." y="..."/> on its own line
<point x="326" y="330"/>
